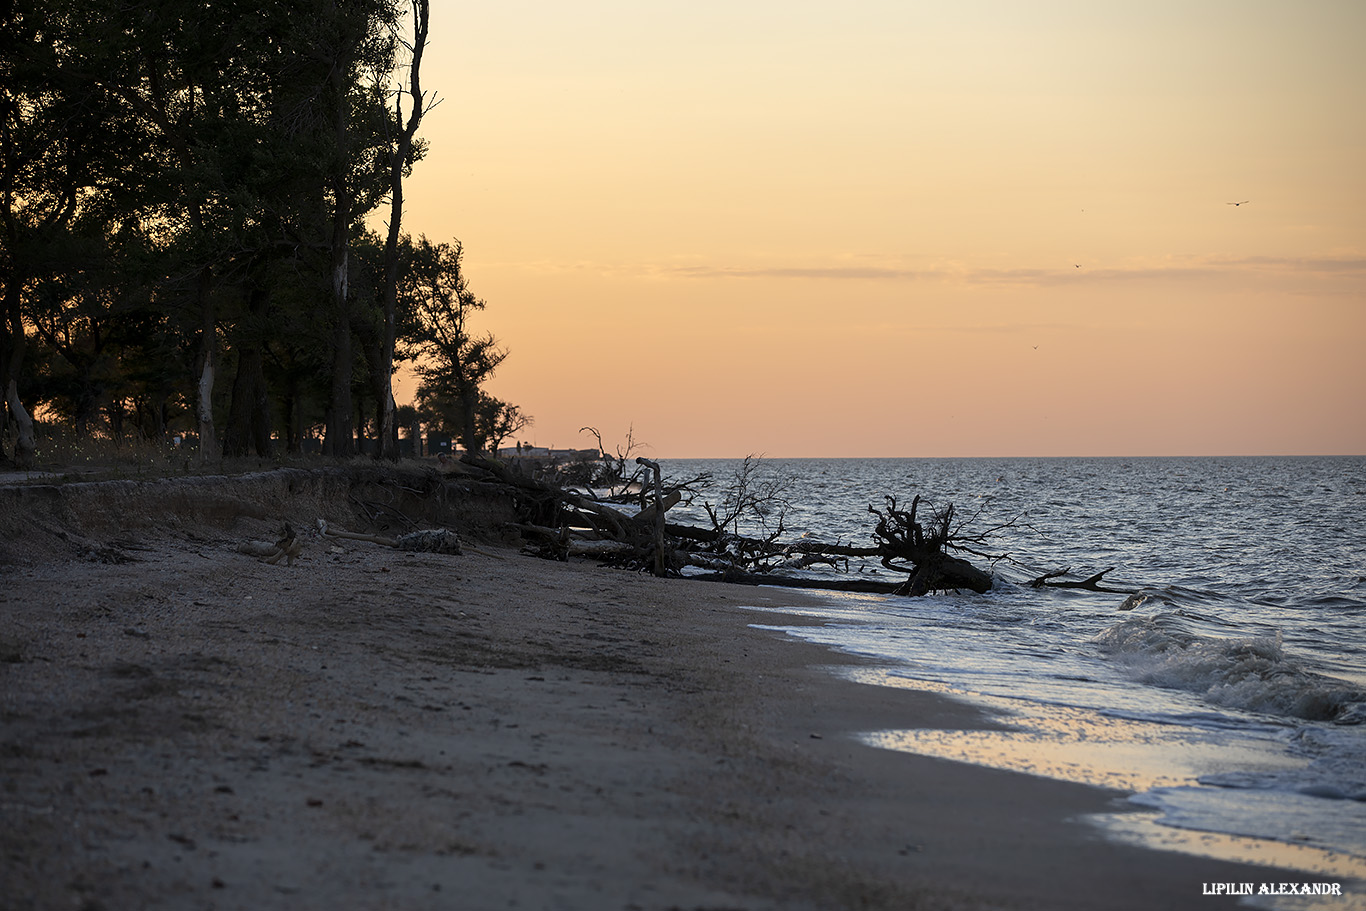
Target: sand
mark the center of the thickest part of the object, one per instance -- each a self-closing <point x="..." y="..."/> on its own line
<point x="184" y="726"/>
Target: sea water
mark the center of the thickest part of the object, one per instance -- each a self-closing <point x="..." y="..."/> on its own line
<point x="1223" y="689"/>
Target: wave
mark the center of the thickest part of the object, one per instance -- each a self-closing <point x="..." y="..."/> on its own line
<point x="1252" y="673"/>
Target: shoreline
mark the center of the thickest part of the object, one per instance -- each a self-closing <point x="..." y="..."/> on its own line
<point x="184" y="726"/>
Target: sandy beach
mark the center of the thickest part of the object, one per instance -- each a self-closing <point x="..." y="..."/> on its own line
<point x="185" y="726"/>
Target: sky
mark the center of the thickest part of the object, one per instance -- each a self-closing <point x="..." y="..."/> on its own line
<point x="901" y="229"/>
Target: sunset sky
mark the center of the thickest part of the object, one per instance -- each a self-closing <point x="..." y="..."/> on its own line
<point x="910" y="228"/>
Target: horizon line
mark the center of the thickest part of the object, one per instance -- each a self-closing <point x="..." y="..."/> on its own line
<point x="766" y="456"/>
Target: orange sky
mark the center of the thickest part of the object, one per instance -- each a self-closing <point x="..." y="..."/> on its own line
<point x="912" y="229"/>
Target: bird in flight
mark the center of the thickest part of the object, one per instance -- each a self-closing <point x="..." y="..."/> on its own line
<point x="1239" y="203"/>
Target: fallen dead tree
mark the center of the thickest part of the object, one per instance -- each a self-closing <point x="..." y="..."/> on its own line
<point x="632" y="521"/>
<point x="907" y="545"/>
<point x="930" y="547"/>
<point x="860" y="586"/>
<point x="428" y="540"/>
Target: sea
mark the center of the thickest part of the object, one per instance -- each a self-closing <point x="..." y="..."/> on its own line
<point x="1221" y="691"/>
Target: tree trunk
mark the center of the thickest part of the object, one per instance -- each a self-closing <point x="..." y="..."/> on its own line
<point x="381" y="368"/>
<point x="865" y="586"/>
<point x="208" y="356"/>
<point x="249" y="419"/>
<point x="339" y="441"/>
<point x="660" y="565"/>
<point x="469" y="434"/>
<point x="388" y="431"/>
<point x="360" y="427"/>
<point x="936" y="571"/>
<point x="25" y="443"/>
<point x="388" y="427"/>
<point x="289" y="403"/>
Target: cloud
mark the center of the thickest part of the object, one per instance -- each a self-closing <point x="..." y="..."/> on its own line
<point x="876" y="273"/>
<point x="1328" y="265"/>
<point x="1174" y="269"/>
<point x="878" y="269"/>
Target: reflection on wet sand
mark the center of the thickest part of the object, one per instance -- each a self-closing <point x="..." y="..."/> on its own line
<point x="1124" y="754"/>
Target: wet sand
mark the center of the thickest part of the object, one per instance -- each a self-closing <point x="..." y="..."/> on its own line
<point x="187" y="727"/>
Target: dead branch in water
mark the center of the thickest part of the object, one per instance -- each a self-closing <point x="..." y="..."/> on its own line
<point x="1091" y="583"/>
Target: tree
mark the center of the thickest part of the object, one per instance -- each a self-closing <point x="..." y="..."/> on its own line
<point x="184" y="188"/>
<point x="206" y="89"/>
<point x="923" y="549"/>
<point x="408" y="417"/>
<point x="752" y="496"/>
<point x="178" y="92"/>
<point x="59" y="149"/>
<point x="250" y="420"/>
<point x="74" y="312"/>
<point x="354" y="50"/>
<point x="401" y="155"/>
<point x="923" y="542"/>
<point x="454" y="362"/>
<point x="496" y="420"/>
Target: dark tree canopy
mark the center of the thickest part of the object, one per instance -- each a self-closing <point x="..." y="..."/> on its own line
<point x="455" y="362"/>
<point x="183" y="240"/>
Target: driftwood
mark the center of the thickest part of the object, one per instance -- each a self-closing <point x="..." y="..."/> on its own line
<point x="286" y="548"/>
<point x="429" y="541"/>
<point x="653" y="516"/>
<point x="670" y="500"/>
<point x="930" y="547"/>
<point x="860" y="586"/>
<point x="907" y="545"/>
<point x="1091" y="583"/>
<point x="436" y="540"/>
<point x="560" y="522"/>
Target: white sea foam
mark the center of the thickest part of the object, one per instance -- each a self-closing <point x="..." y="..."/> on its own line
<point x="1250" y="673"/>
